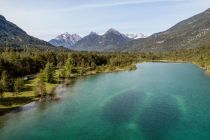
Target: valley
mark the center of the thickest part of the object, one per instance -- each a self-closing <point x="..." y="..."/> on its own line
<point x="108" y="85"/>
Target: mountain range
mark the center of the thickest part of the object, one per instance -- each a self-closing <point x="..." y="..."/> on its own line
<point x="93" y="41"/>
<point x="66" y="40"/>
<point x="13" y="36"/>
<point x="188" y="34"/>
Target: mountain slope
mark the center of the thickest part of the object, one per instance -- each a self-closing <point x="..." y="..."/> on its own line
<point x="188" y="34"/>
<point x="66" y="40"/>
<point x="112" y="39"/>
<point x="13" y="36"/>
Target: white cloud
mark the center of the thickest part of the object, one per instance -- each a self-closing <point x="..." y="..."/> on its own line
<point x="116" y="3"/>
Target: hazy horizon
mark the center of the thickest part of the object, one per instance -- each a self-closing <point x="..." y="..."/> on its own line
<point x="47" y="19"/>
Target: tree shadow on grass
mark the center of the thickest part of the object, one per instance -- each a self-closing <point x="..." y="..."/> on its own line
<point x="13" y="103"/>
<point x="15" y="100"/>
<point x="28" y="86"/>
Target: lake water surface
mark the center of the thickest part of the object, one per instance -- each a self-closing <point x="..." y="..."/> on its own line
<point x="158" y="101"/>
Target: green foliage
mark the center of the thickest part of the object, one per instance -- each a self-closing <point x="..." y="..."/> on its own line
<point x="40" y="89"/>
<point x="68" y="67"/>
<point x="7" y="83"/>
<point x="23" y="63"/>
<point x="61" y="73"/>
<point x="1" y="90"/>
<point x="115" y="61"/>
<point x="18" y="85"/>
<point x="49" y="72"/>
<point x="199" y="56"/>
<point x="41" y="75"/>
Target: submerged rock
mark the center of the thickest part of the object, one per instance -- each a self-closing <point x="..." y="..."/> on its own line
<point x="158" y="118"/>
<point x="121" y="108"/>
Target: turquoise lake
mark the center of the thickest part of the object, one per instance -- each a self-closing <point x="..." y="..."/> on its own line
<point x="158" y="101"/>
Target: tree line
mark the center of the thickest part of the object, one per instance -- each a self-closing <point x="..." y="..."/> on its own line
<point x="16" y="65"/>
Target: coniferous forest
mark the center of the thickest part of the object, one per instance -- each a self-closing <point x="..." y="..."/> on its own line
<point x="39" y="72"/>
<point x="27" y="75"/>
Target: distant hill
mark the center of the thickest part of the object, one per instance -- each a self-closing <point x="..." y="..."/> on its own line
<point x="188" y="34"/>
<point x="106" y="42"/>
<point x="66" y="40"/>
<point x="13" y="36"/>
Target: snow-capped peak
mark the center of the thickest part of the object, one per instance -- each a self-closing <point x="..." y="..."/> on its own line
<point x="66" y="40"/>
<point x="70" y="37"/>
<point x="136" y="36"/>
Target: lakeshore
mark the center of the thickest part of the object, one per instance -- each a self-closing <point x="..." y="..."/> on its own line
<point x="11" y="102"/>
<point x="138" y="104"/>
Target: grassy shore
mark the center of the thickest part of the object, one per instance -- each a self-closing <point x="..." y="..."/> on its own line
<point x="11" y="101"/>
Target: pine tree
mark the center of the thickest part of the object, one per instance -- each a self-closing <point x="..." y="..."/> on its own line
<point x="68" y="67"/>
<point x="7" y="83"/>
<point x="49" y="73"/>
<point x="40" y="89"/>
<point x="18" y="85"/>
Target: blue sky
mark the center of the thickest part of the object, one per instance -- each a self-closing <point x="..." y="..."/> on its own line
<point x="46" y="19"/>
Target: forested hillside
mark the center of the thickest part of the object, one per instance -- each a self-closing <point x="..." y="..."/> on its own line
<point x="188" y="34"/>
<point x="14" y="37"/>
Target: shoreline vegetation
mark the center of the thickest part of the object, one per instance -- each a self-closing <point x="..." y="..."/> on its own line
<point x="32" y="75"/>
<point x="27" y="96"/>
<point x="54" y="71"/>
<point x="51" y="88"/>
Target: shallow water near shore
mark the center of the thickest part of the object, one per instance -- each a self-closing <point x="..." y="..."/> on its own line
<point x="158" y="101"/>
